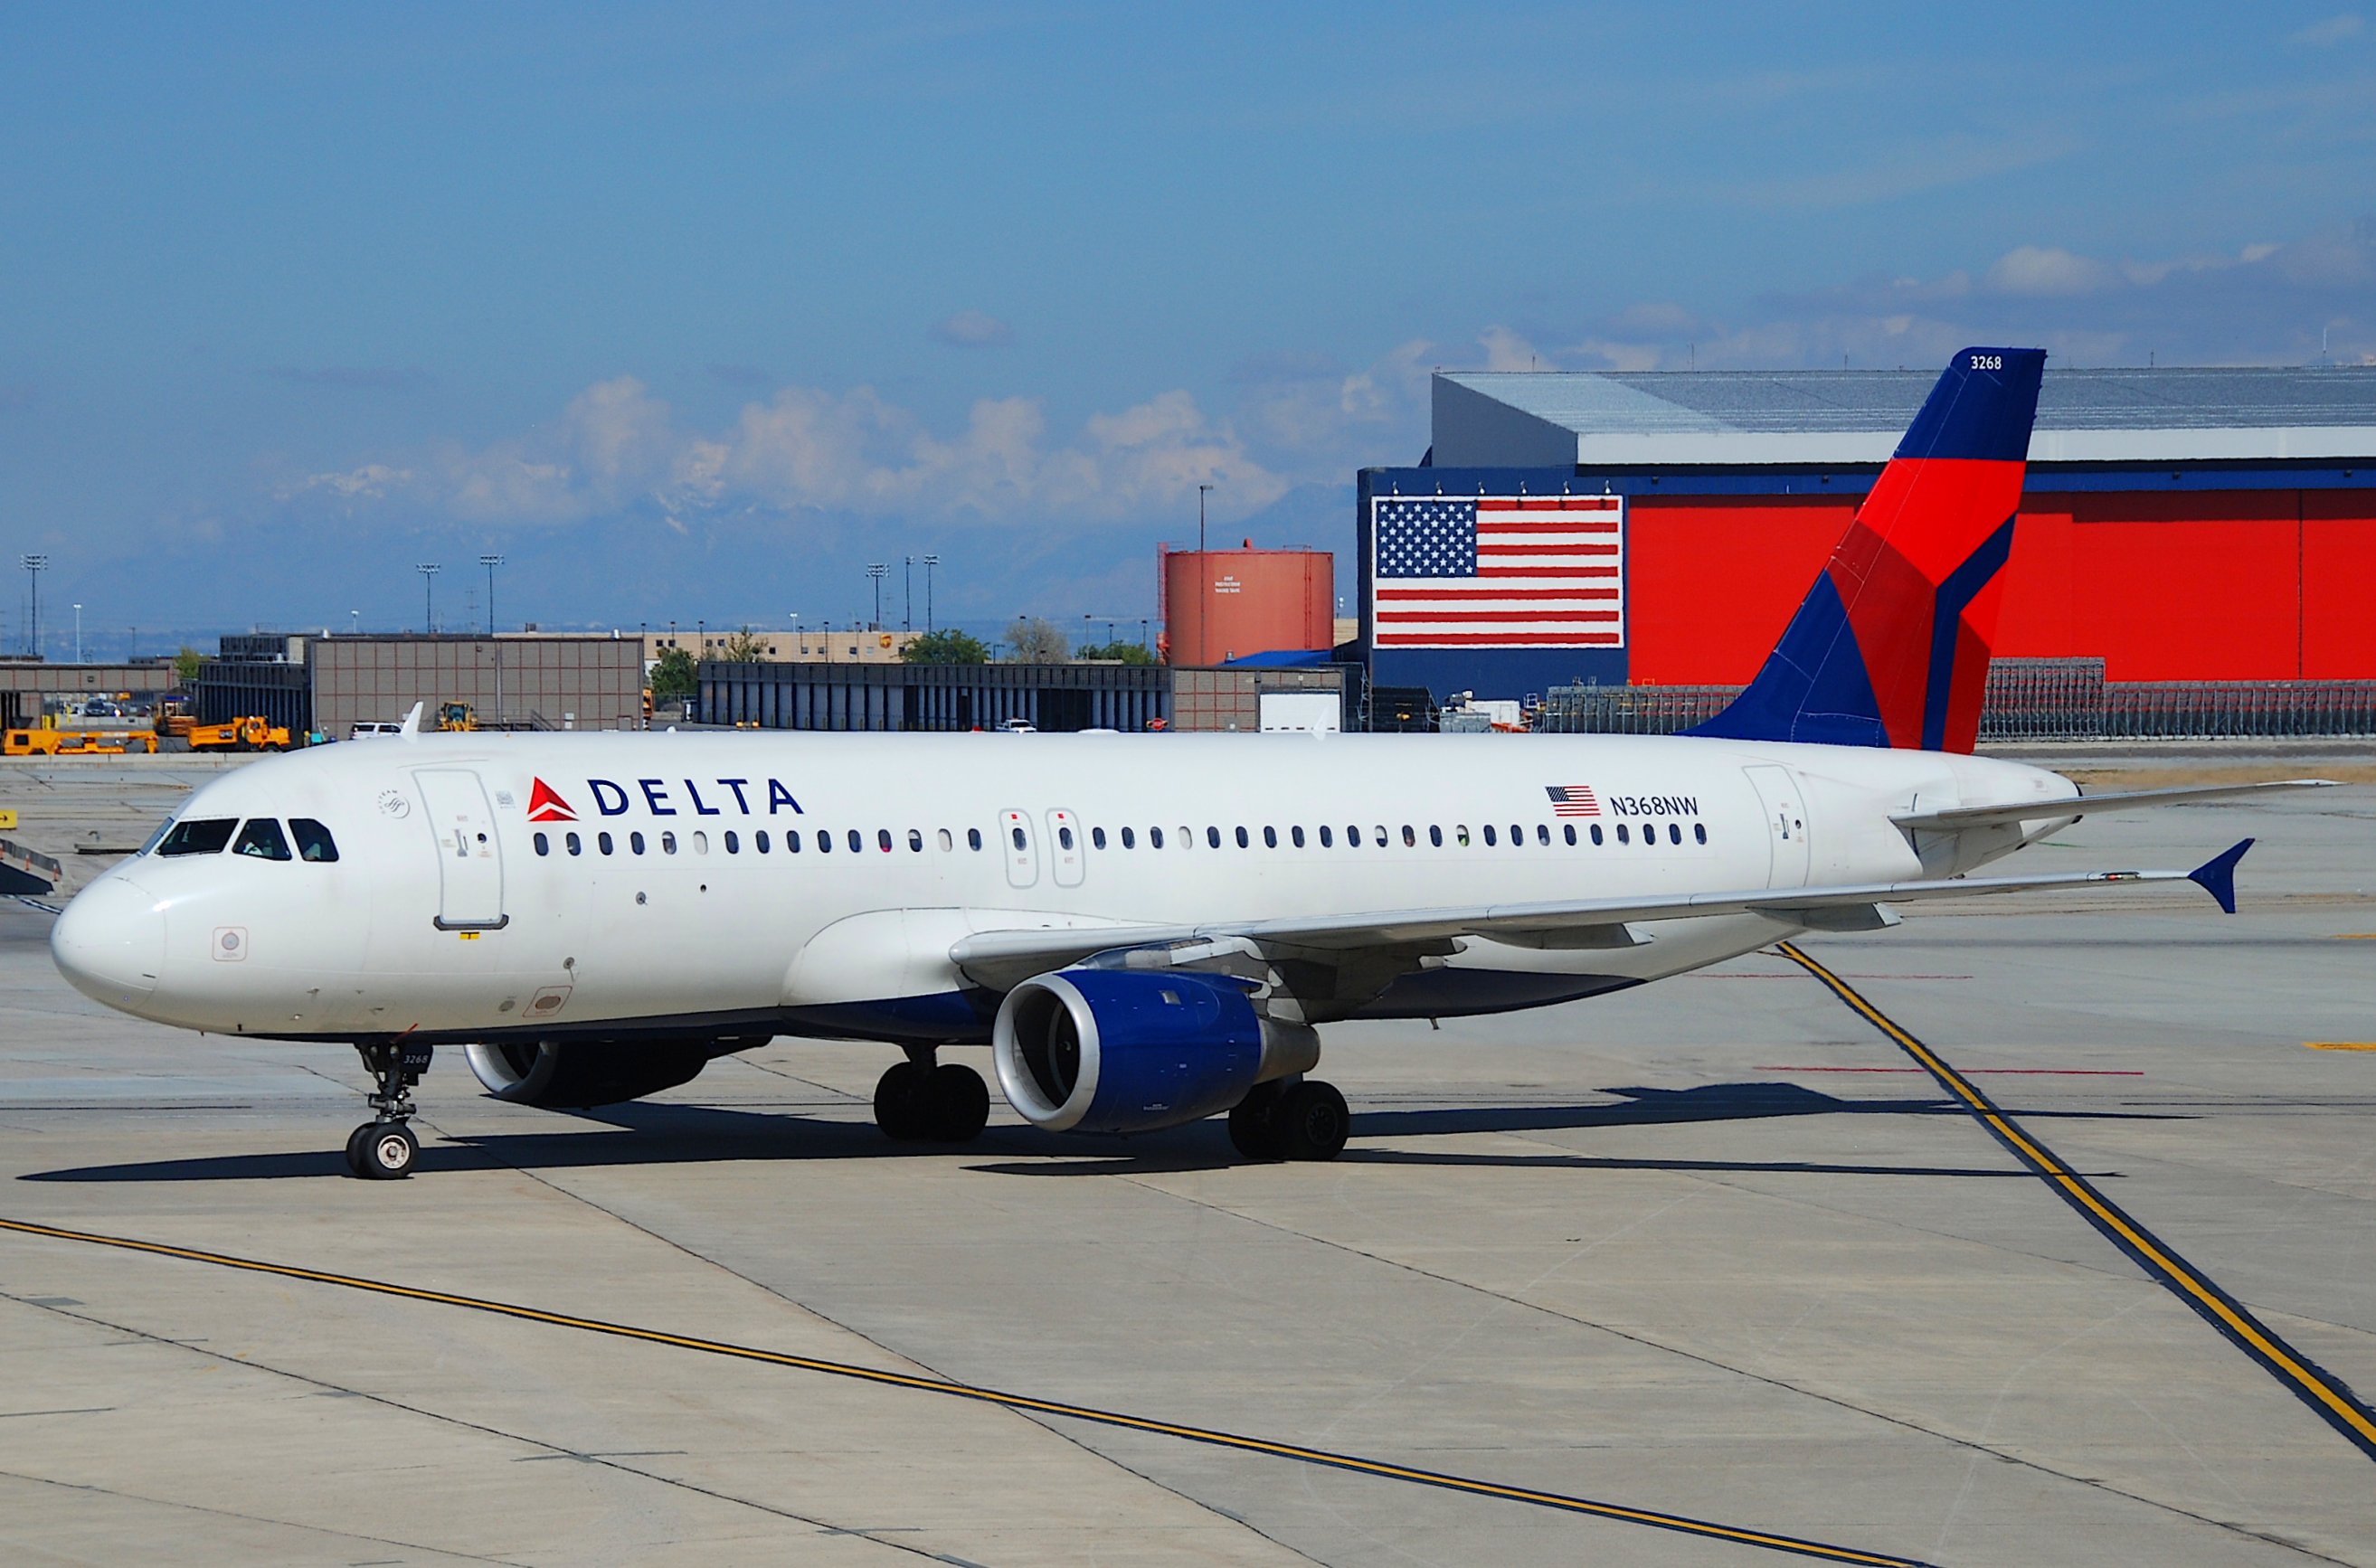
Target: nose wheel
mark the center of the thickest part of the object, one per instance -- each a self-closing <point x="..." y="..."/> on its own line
<point x="384" y="1149"/>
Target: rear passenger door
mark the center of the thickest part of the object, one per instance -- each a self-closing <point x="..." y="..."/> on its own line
<point x="1015" y="843"/>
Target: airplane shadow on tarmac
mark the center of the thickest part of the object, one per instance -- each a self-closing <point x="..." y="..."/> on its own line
<point x="672" y="1134"/>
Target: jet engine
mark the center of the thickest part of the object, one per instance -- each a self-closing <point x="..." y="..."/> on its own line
<point x="1122" y="1050"/>
<point x="554" y="1077"/>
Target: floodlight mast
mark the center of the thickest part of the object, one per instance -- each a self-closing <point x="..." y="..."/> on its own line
<point x="428" y="570"/>
<point x="34" y="566"/>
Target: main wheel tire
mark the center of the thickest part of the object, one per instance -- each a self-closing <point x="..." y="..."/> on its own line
<point x="902" y="1103"/>
<point x="387" y="1150"/>
<point x="960" y="1104"/>
<point x="1312" y="1122"/>
<point x="1253" y="1124"/>
<point x="355" y="1151"/>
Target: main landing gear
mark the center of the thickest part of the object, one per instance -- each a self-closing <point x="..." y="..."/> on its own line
<point x="1295" y="1118"/>
<point x="384" y="1149"/>
<point x="922" y="1100"/>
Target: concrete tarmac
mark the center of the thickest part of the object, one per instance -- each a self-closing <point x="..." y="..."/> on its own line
<point x="1717" y="1248"/>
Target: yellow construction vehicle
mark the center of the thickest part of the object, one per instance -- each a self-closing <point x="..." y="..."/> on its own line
<point x="457" y="716"/>
<point x="253" y="733"/>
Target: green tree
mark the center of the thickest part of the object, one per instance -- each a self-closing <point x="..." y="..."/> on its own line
<point x="185" y="665"/>
<point x="1035" y="641"/>
<point x="675" y="673"/>
<point x="951" y="646"/>
<point x="742" y="649"/>
<point x="1118" y="652"/>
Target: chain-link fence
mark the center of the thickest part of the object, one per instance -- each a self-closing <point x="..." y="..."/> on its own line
<point x="2029" y="700"/>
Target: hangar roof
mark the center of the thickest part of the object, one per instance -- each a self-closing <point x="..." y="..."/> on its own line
<point x="1490" y="419"/>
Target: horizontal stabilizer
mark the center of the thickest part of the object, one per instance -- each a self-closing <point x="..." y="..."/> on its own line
<point x="2216" y="875"/>
<point x="1956" y="820"/>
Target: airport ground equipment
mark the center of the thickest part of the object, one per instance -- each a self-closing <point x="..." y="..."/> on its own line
<point x="48" y="742"/>
<point x="25" y="871"/>
<point x="252" y="733"/>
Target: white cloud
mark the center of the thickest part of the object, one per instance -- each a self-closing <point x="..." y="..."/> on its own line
<point x="973" y="329"/>
<point x="2334" y="29"/>
<point x="617" y="448"/>
<point x="2048" y="270"/>
<point x="1505" y="350"/>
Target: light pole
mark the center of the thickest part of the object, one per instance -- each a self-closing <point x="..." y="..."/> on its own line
<point x="929" y="561"/>
<point x="34" y="566"/>
<point x="354" y="622"/>
<point x="878" y="571"/>
<point x="491" y="563"/>
<point x="77" y="634"/>
<point x="908" y="598"/>
<point x="428" y="570"/>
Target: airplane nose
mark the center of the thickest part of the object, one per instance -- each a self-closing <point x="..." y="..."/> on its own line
<point x="110" y="943"/>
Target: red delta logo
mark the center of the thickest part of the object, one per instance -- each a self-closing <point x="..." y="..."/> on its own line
<point x="545" y="805"/>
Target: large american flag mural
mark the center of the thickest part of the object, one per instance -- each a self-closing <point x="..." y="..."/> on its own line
<point x="1498" y="571"/>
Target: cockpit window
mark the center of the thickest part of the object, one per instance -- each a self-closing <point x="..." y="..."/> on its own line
<point x="197" y="835"/>
<point x="262" y="839"/>
<point x="155" y="838"/>
<point x="314" y="840"/>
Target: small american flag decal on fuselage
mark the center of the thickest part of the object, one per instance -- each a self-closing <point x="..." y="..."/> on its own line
<point x="1572" y="800"/>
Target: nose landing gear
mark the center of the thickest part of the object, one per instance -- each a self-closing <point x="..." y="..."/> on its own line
<point x="385" y="1149"/>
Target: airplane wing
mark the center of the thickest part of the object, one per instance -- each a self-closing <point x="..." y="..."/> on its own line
<point x="1000" y="958"/>
<point x="2089" y="805"/>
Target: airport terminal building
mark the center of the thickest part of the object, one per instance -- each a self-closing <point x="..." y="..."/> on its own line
<point x="1660" y="529"/>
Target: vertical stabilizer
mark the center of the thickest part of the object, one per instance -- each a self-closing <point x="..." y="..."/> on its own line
<point x="1890" y="648"/>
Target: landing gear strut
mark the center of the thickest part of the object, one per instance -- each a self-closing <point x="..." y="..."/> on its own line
<point x="384" y="1149"/>
<point x="922" y="1100"/>
<point x="1290" y="1118"/>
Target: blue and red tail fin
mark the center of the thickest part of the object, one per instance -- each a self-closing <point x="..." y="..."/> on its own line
<point x="1890" y="648"/>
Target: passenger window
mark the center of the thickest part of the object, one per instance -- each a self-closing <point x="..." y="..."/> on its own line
<point x="1460" y="834"/>
<point x="856" y="843"/>
<point x="1517" y="836"/>
<point x="668" y="843"/>
<point x="602" y="842"/>
<point x="825" y="842"/>
<point x="1596" y="833"/>
<point x="1187" y="837"/>
<point x="1018" y="837"/>
<point x="577" y="845"/>
<point x="1155" y="839"/>
<point x="1098" y="837"/>
<point x="1352" y="836"/>
<point x="883" y="839"/>
<point x="1064" y="837"/>
<point x="1621" y="834"/>
<point x="733" y="842"/>
<point x="1542" y="833"/>
<point x="1569" y="829"/>
<point x="973" y="837"/>
<point x="1296" y="833"/>
<point x="635" y="843"/>
<point x="543" y="845"/>
<point x="1128" y="840"/>
<point x="263" y="840"/>
<point x="315" y="843"/>
<point x="1270" y="838"/>
<point x="1410" y="839"/>
<point x="1674" y="833"/>
<point x="198" y="835"/>
<point x="1324" y="837"/>
<point x="915" y="843"/>
<point x="1242" y="838"/>
<point x="948" y="841"/>
<point x="1489" y="840"/>
<point x="1213" y="838"/>
<point x="1435" y="835"/>
<point x="700" y="843"/>
<point x="1380" y="833"/>
<point x="1699" y="831"/>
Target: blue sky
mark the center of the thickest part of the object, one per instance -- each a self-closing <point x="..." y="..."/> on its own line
<point x="692" y="311"/>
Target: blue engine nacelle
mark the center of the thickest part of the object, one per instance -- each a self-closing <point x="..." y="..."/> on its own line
<point x="1125" y="1050"/>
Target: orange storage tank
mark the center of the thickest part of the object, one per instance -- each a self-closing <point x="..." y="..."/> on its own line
<point x="1225" y="604"/>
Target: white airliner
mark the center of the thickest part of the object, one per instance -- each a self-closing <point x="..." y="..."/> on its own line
<point x="1144" y="928"/>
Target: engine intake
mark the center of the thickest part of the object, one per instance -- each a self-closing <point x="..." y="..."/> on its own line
<point x="1112" y="1051"/>
<point x="574" y="1077"/>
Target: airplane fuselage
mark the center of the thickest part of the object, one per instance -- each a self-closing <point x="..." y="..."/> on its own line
<point x="725" y="886"/>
